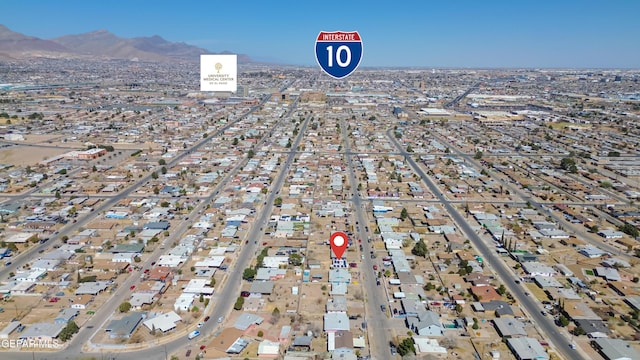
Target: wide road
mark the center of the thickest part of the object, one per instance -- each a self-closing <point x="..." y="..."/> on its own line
<point x="377" y="321"/>
<point x="559" y="340"/>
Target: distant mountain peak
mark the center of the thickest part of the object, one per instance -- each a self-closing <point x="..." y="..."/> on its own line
<point x="100" y="43"/>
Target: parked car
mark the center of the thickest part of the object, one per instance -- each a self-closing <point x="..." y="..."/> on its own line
<point x="188" y="353"/>
<point x="245" y="293"/>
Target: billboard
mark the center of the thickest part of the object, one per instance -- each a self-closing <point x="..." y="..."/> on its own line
<point x="218" y="72"/>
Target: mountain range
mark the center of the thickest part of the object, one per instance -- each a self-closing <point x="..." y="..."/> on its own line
<point x="100" y="44"/>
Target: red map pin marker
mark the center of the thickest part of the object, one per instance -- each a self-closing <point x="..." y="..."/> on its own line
<point x="338" y="241"/>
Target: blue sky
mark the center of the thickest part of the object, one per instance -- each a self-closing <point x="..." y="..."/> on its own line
<point x="479" y="33"/>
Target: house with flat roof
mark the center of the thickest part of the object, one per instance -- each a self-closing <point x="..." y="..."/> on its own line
<point x="247" y="321"/>
<point x="43" y="331"/>
<point x="615" y="349"/>
<point x="9" y="329"/>
<point x="336" y="322"/>
<point x="163" y="322"/>
<point x="125" y="326"/>
<point x="66" y="315"/>
<point x="509" y="327"/>
<point x="91" y="288"/>
<point x="268" y="349"/>
<point x="525" y="348"/>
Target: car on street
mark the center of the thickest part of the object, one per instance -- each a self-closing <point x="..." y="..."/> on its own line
<point x="393" y="350"/>
<point x="206" y="318"/>
<point x="200" y="325"/>
<point x="375" y="267"/>
<point x="132" y="287"/>
<point x="220" y="319"/>
<point x="188" y="353"/>
<point x="544" y="313"/>
<point x="202" y="347"/>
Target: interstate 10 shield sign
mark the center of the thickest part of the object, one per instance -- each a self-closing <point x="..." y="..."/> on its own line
<point x="338" y="52"/>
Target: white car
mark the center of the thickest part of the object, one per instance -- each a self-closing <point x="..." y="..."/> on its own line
<point x="220" y="319"/>
<point x="200" y="325"/>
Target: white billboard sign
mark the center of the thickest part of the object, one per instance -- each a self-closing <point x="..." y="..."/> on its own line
<point x="219" y="73"/>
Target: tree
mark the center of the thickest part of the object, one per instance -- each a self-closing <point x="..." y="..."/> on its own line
<point x="249" y="273"/>
<point x="125" y="307"/>
<point x="420" y="249"/>
<point x="404" y="214"/>
<point x="275" y="316"/>
<point x="568" y="164"/>
<point x="201" y="298"/>
<point x="239" y="303"/>
<point x="295" y="259"/>
<point x="154" y="175"/>
<point x="277" y="202"/>
<point x="162" y="162"/>
<point x="250" y="154"/>
<point x="234" y="142"/>
<point x="137" y="259"/>
<point x="501" y="289"/>
<point x="409" y="148"/>
<point x="163" y="170"/>
<point x="629" y="230"/>
<point x="406" y="347"/>
<point x="563" y="321"/>
<point x="478" y="155"/>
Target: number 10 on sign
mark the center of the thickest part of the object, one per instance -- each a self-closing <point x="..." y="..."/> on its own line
<point x="338" y="52"/>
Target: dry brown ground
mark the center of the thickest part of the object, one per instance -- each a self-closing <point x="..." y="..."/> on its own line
<point x="27" y="155"/>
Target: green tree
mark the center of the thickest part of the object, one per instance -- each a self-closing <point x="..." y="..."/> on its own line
<point x="239" y="303"/>
<point x="420" y="249"/>
<point x="251" y="154"/>
<point x="295" y="259"/>
<point x="163" y="170"/>
<point x="501" y="289"/>
<point x="568" y="164"/>
<point x="154" y="175"/>
<point x="125" y="307"/>
<point x="249" y="273"/>
<point x="277" y="202"/>
<point x="234" y="142"/>
<point x="404" y="214"/>
<point x="406" y="347"/>
<point x="478" y="155"/>
<point x="629" y="230"/>
<point x="563" y="321"/>
<point x="162" y="162"/>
